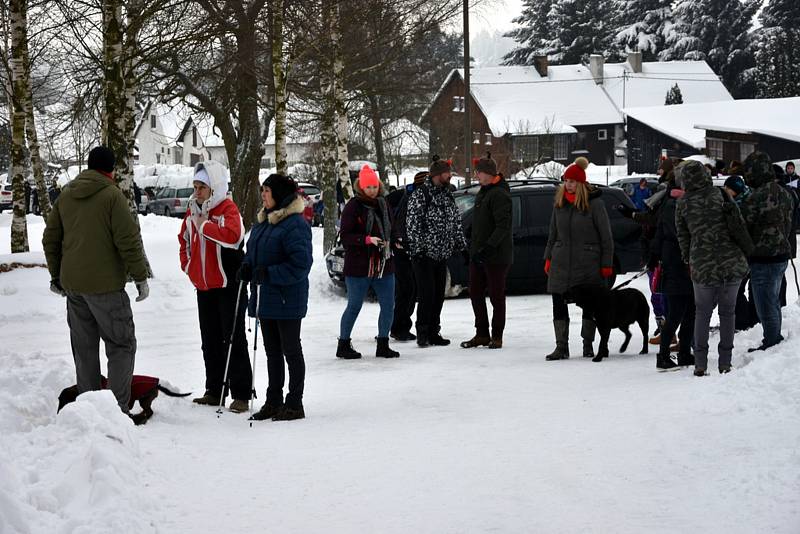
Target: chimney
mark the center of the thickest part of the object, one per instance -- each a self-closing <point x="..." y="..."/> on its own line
<point x="596" y="62"/>
<point x="541" y="64"/>
<point x="635" y="61"/>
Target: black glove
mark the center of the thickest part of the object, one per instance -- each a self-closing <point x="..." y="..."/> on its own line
<point x="626" y="211"/>
<point x="261" y="275"/>
<point x="483" y="254"/>
<point x="465" y="256"/>
<point x="245" y="273"/>
<point x="55" y="287"/>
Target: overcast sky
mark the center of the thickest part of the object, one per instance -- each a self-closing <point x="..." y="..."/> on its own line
<point x="496" y="16"/>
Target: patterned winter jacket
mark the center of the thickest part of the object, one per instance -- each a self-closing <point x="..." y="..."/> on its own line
<point x="767" y="211"/>
<point x="710" y="243"/>
<point x="433" y="223"/>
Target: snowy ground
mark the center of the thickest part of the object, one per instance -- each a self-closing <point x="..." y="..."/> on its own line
<point x="439" y="440"/>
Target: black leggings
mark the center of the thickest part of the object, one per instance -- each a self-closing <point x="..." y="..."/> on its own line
<point x="282" y="340"/>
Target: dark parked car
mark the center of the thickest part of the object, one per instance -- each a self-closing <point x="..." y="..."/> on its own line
<point x="532" y="202"/>
<point x="629" y="183"/>
<point x="170" y="201"/>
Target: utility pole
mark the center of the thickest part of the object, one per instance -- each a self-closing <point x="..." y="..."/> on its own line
<point x="467" y="121"/>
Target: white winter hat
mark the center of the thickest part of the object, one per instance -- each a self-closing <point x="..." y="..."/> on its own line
<point x="202" y="176"/>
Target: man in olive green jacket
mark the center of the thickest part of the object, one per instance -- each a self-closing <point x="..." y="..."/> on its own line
<point x="91" y="243"/>
<point x="491" y="254"/>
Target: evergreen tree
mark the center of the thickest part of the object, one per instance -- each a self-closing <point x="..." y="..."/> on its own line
<point x="642" y="25"/>
<point x="674" y="96"/>
<point x="778" y="50"/>
<point x="716" y="31"/>
<point x="535" y="35"/>
<point x="582" y="28"/>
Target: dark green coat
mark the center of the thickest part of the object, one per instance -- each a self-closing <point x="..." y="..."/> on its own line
<point x="491" y="224"/>
<point x="579" y="245"/>
<point x="91" y="241"/>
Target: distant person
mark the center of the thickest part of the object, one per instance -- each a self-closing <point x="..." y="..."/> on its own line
<point x="491" y="254"/>
<point x="640" y="194"/>
<point x="714" y="243"/>
<point x="791" y="175"/>
<point x="92" y="243"/>
<point x="137" y="195"/>
<point x="579" y="251"/>
<point x="211" y="241"/>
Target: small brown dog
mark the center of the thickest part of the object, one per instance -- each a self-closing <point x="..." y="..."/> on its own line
<point x="143" y="389"/>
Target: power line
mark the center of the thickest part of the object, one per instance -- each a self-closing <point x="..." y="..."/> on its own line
<point x="629" y="78"/>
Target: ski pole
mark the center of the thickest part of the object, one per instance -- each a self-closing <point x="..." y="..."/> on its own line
<point x="255" y="347"/>
<point x="230" y="347"/>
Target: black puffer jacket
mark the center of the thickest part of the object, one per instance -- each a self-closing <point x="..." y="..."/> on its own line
<point x="675" y="279"/>
<point x="491" y="224"/>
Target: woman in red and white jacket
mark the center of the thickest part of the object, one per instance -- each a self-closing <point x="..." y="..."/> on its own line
<point x="211" y="242"/>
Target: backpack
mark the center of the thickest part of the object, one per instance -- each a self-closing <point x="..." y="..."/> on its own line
<point x="735" y="223"/>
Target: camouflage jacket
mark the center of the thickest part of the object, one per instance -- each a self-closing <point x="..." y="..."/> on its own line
<point x="706" y="236"/>
<point x="767" y="212"/>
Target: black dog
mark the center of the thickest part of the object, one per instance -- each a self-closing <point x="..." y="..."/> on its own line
<point x="619" y="308"/>
<point x="143" y="389"/>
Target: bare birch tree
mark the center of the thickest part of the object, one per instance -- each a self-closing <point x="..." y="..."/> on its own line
<point x="17" y="12"/>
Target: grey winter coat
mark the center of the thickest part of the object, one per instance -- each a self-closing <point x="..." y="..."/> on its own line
<point x="579" y="245"/>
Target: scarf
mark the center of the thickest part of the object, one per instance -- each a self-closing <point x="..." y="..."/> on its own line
<point x="570" y="197"/>
<point x="377" y="262"/>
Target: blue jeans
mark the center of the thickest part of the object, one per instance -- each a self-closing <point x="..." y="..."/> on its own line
<point x="765" y="279"/>
<point x="357" y="287"/>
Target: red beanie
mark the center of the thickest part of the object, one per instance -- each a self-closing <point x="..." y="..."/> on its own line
<point x="367" y="177"/>
<point x="577" y="171"/>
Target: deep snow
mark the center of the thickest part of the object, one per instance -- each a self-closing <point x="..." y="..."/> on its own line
<point x="439" y="440"/>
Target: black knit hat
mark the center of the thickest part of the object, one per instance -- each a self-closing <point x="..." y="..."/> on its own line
<point x="486" y="164"/>
<point x="101" y="158"/>
<point x="281" y="186"/>
<point x="439" y="166"/>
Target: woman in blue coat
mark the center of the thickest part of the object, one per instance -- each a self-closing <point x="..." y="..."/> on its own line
<point x="277" y="264"/>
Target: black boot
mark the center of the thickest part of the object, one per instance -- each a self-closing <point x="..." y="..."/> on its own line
<point x="665" y="363"/>
<point x="383" y="350"/>
<point x="588" y="328"/>
<point x="422" y="336"/>
<point x="438" y="340"/>
<point x="561" y="352"/>
<point x="686" y="359"/>
<point x="346" y="351"/>
<point x="403" y="336"/>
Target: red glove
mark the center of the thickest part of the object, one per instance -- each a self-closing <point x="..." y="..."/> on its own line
<point x="547" y="267"/>
<point x="606" y="272"/>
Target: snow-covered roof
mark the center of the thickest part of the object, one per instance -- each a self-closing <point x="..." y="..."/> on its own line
<point x="687" y="123"/>
<point x="517" y="100"/>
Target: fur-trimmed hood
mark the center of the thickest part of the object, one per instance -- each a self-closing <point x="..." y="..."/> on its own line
<point x="274" y="217"/>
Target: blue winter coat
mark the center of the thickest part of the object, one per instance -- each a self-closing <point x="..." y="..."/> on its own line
<point x="639" y="196"/>
<point x="281" y="242"/>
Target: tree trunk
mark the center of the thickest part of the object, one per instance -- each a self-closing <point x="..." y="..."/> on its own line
<point x="19" y="35"/>
<point x="377" y="134"/>
<point x="33" y="138"/>
<point x="113" y="114"/>
<point x="339" y="106"/>
<point x="328" y="147"/>
<point x="279" y="81"/>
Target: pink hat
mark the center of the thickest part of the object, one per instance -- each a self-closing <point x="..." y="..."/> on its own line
<point x="368" y="178"/>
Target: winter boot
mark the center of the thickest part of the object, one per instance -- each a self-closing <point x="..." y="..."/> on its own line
<point x="438" y="340"/>
<point x="561" y="351"/>
<point x="383" y="350"/>
<point x="268" y="411"/>
<point x="477" y="340"/>
<point x="588" y="328"/>
<point x="208" y="398"/>
<point x="422" y="336"/>
<point x="346" y="351"/>
<point x="239" y="406"/>
<point x="699" y="371"/>
<point x="403" y="336"/>
<point x="665" y="363"/>
<point x="287" y="413"/>
<point x="496" y="342"/>
<point x="685" y="359"/>
<point x="725" y="369"/>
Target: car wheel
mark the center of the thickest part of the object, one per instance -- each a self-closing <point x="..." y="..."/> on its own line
<point x="167" y="213"/>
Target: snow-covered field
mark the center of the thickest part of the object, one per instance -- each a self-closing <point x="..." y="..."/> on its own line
<point x="439" y="440"/>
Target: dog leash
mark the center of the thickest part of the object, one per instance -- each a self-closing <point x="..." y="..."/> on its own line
<point x="795" y="276"/>
<point x="626" y="282"/>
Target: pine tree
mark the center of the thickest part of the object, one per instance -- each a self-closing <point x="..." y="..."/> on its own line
<point x="534" y="35"/>
<point x="716" y="31"/>
<point x="642" y="25"/>
<point x="582" y="28"/>
<point x="674" y="96"/>
<point x="778" y="50"/>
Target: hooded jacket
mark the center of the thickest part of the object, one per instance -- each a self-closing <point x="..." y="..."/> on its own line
<point x="675" y="279"/>
<point x="91" y="241"/>
<point x="707" y="239"/>
<point x="279" y="246"/>
<point x="491" y="224"/>
<point x="579" y="245"/>
<point x="767" y="211"/>
<point x="211" y="234"/>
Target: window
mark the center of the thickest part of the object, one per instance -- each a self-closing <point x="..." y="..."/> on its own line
<point x="194" y="136"/>
<point x="516" y="212"/>
<point x="602" y="134"/>
<point x="526" y="148"/>
<point x="162" y="149"/>
<point x="152" y="121"/>
<point x="458" y="103"/>
<point x="560" y="147"/>
<point x="476" y="138"/>
<point x="745" y="150"/>
<point x="167" y="152"/>
<point x="488" y="139"/>
<point x="714" y="147"/>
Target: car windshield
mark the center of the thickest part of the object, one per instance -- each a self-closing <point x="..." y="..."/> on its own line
<point x="185" y="193"/>
<point x="465" y="203"/>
